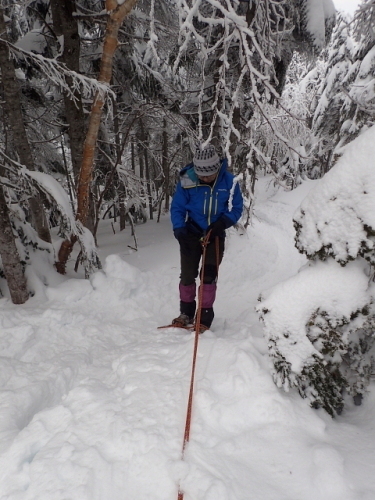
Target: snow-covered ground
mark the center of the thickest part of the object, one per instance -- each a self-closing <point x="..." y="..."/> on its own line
<point x="93" y="396"/>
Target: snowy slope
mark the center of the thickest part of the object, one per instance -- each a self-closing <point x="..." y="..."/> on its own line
<point x="93" y="396"/>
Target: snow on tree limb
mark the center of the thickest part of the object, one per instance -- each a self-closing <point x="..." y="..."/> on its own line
<point x="244" y="50"/>
<point x="28" y="181"/>
<point x="57" y="73"/>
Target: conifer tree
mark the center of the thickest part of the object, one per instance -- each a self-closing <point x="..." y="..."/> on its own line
<point x="13" y="113"/>
<point x="359" y="102"/>
<point x="327" y="119"/>
<point x="345" y="98"/>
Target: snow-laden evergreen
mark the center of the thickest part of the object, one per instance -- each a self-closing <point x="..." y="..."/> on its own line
<point x="320" y="323"/>
<point x="338" y="217"/>
<point x="342" y="101"/>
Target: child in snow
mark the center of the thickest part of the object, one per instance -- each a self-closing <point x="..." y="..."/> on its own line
<point x="201" y="204"/>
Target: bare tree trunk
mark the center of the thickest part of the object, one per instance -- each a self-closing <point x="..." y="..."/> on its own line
<point x="117" y="14"/>
<point x="121" y="185"/>
<point x="10" y="258"/>
<point x="234" y="140"/>
<point x="140" y="159"/>
<point x="13" y="112"/>
<point x="147" y="170"/>
<point x="165" y="164"/>
<point x="133" y="154"/>
<point x="70" y="187"/>
<point x="252" y="172"/>
<point x="65" y="24"/>
<point x="122" y="208"/>
<point x="91" y="215"/>
<point x="149" y="190"/>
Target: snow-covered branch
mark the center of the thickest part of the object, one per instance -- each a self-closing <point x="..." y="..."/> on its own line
<point x="67" y="80"/>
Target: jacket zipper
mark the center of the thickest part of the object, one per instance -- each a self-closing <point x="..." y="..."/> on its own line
<point x="210" y="205"/>
<point x="210" y="209"/>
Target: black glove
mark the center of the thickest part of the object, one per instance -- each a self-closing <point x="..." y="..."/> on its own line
<point x="180" y="233"/>
<point x="218" y="227"/>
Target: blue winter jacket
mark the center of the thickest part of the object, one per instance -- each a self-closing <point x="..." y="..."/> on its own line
<point x="197" y="205"/>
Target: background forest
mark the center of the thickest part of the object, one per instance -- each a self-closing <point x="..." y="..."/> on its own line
<point x="102" y="103"/>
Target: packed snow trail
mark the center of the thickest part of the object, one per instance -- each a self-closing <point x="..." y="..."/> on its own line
<point x="93" y="396"/>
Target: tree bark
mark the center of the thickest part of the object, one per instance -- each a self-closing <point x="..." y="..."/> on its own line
<point x="65" y="24"/>
<point x="11" y="261"/>
<point x="133" y="154"/>
<point x="165" y="165"/>
<point x="117" y="14"/>
<point x="140" y="159"/>
<point x="13" y="112"/>
<point x="234" y="140"/>
<point x="147" y="170"/>
<point x="122" y="208"/>
<point x="121" y="187"/>
<point x="116" y="18"/>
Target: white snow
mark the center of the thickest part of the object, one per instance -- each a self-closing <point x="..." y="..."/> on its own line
<point x="343" y="202"/>
<point x="326" y="286"/>
<point x="54" y="189"/>
<point x="93" y="396"/>
<point x="318" y="12"/>
<point x="33" y="41"/>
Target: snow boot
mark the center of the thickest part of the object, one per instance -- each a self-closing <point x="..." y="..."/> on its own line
<point x="182" y="321"/>
<point x="187" y="305"/>
<point x="202" y="329"/>
<point x="187" y="310"/>
<point x="208" y="299"/>
<point x="207" y="316"/>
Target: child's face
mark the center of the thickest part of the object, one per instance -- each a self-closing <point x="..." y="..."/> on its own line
<point x="207" y="178"/>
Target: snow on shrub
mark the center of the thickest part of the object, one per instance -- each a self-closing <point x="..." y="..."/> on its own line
<point x="337" y="217"/>
<point x="309" y="321"/>
<point x="320" y="323"/>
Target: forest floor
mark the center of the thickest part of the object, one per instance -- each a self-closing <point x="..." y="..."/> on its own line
<point x="93" y="396"/>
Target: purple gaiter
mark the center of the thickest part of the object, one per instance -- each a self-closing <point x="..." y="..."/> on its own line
<point x="209" y="295"/>
<point x="187" y="292"/>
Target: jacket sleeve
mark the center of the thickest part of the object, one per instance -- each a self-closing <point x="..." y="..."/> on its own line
<point x="235" y="207"/>
<point x="178" y="207"/>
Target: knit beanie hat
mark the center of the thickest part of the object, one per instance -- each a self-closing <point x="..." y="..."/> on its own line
<point x="206" y="161"/>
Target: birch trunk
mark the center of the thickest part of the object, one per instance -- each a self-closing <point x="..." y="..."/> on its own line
<point x="117" y="14"/>
<point x="115" y="20"/>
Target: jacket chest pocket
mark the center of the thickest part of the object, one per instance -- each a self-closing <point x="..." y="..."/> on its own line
<point x="221" y="201"/>
<point x="205" y="203"/>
